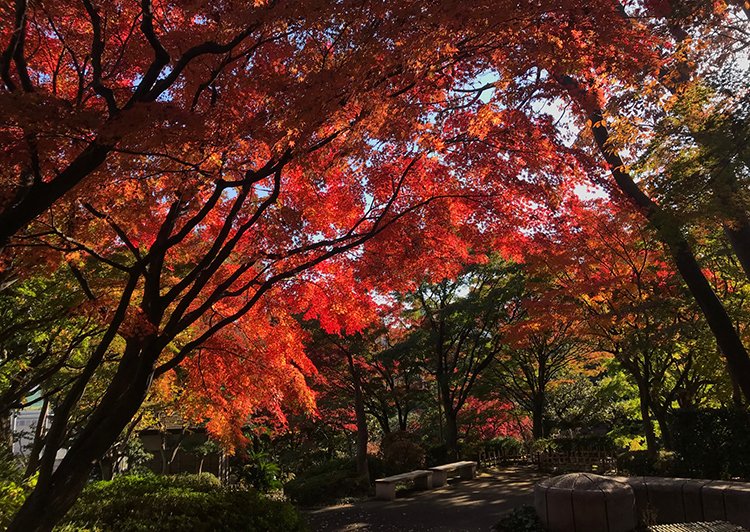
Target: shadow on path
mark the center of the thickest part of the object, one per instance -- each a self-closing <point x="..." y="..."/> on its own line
<point x="462" y="505"/>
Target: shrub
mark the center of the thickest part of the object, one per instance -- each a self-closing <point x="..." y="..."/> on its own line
<point x="13" y="493"/>
<point x="170" y="504"/>
<point x="638" y="463"/>
<point x="506" y="446"/>
<point x="327" y="482"/>
<point x="521" y="519"/>
<point x="204" y="482"/>
<point x="584" y="443"/>
<point x="258" y="471"/>
<point x="402" y="452"/>
<point x="13" y="488"/>
<point x="10" y="467"/>
<point x="437" y="455"/>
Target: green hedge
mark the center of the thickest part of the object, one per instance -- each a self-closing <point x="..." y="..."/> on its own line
<point x="178" y="503"/>
<point x="712" y="443"/>
<point x="327" y="482"/>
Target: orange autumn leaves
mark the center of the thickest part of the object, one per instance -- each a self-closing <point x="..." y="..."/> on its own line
<point x="355" y="112"/>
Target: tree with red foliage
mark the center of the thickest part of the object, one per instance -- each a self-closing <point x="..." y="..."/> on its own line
<point x="630" y="301"/>
<point x="485" y="420"/>
<point x="587" y="87"/>
<point x="576" y="63"/>
<point x="224" y="155"/>
<point x="196" y="166"/>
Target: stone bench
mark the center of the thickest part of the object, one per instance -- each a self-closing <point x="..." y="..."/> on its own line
<point x="385" y="488"/>
<point x="466" y="470"/>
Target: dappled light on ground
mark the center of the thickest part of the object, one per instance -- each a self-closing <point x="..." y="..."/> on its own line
<point x="462" y="505"/>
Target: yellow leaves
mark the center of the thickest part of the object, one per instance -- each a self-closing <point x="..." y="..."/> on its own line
<point x="215" y="160"/>
<point x="483" y="121"/>
<point x="73" y="257"/>
<point x="556" y="41"/>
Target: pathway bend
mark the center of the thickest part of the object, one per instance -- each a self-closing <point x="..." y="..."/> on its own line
<point x="460" y="506"/>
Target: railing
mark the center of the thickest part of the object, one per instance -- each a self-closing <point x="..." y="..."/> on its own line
<point x="494" y="458"/>
<point x="595" y="461"/>
<point x="599" y="461"/>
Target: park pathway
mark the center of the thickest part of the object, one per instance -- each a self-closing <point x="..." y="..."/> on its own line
<point x="462" y="505"/>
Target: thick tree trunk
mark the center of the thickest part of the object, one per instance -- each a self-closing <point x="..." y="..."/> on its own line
<point x="451" y="434"/>
<point x="660" y="413"/>
<point x="644" y="397"/>
<point x="361" y="418"/>
<point x="38" y="444"/>
<point x="739" y="238"/>
<point x="385" y="425"/>
<point x="736" y="392"/>
<point x="670" y="233"/>
<point x="537" y="418"/>
<point x="107" y="468"/>
<point x="402" y="417"/>
<point x="56" y="493"/>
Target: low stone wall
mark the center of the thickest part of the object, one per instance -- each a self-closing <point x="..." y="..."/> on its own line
<point x="580" y="502"/>
<point x="677" y="500"/>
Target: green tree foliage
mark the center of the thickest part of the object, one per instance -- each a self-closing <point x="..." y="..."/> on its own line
<point x="461" y="330"/>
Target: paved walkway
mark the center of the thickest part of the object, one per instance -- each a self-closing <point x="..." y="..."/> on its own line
<point x="462" y="505"/>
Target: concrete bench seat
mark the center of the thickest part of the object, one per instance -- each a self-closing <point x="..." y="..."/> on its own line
<point x="466" y="470"/>
<point x="385" y="488"/>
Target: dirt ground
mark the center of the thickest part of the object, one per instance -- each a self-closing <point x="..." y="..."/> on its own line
<point x="462" y="505"/>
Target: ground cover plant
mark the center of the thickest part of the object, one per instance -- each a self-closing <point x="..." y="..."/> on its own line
<point x="182" y="502"/>
<point x="523" y="519"/>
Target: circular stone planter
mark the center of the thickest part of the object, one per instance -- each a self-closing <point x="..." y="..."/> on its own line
<point x="582" y="502"/>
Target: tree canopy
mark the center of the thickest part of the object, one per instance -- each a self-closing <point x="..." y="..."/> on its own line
<point x="186" y="187"/>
